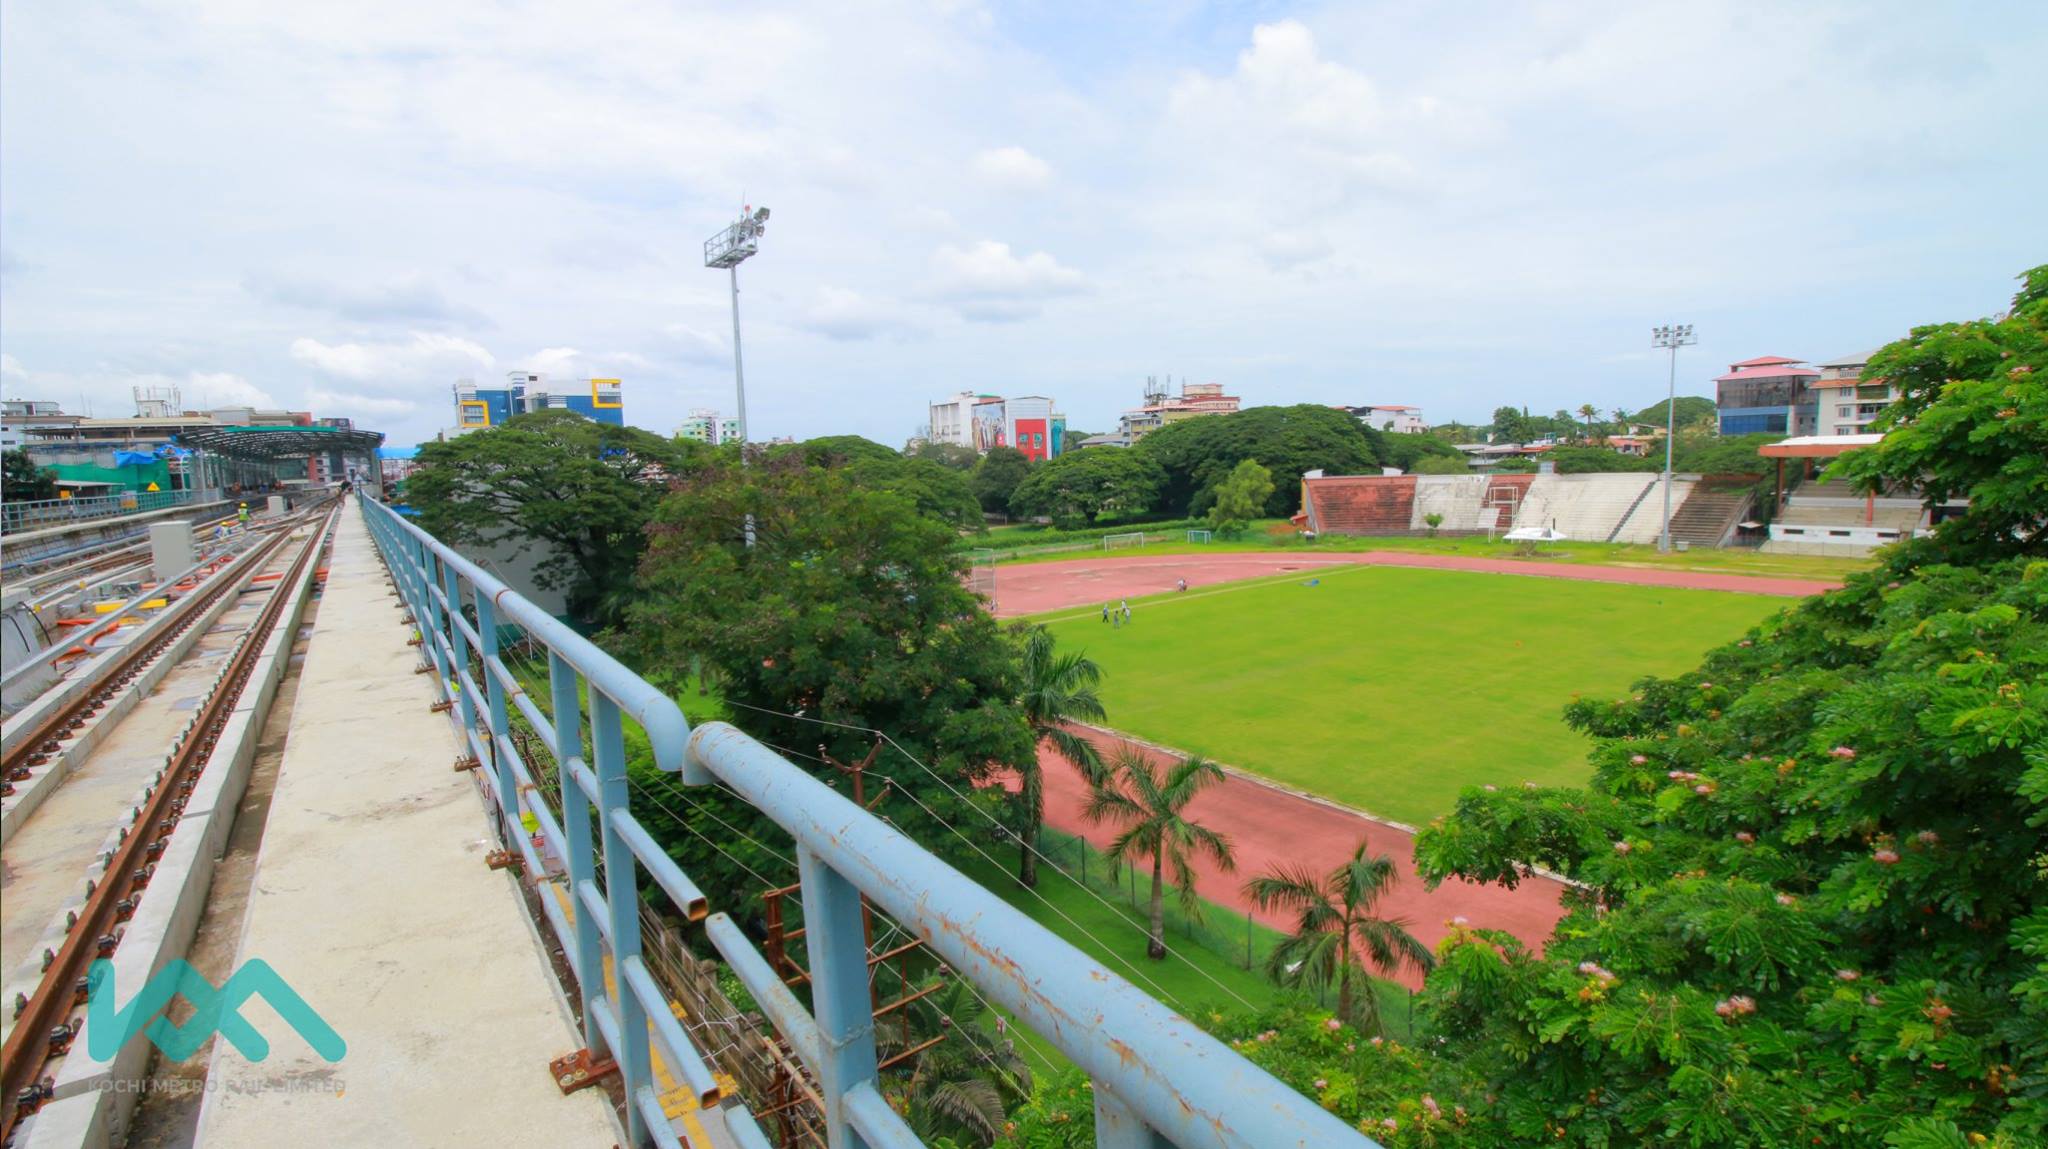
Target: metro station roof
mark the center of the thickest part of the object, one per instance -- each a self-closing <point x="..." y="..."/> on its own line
<point x="1816" y="446"/>
<point x="256" y="442"/>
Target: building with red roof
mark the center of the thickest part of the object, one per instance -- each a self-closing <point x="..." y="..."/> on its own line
<point x="1767" y="394"/>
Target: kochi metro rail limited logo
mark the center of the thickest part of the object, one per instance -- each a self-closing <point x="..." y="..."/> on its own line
<point x="215" y="1009"/>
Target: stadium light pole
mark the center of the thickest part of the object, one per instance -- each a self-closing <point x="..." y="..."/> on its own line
<point x="728" y="249"/>
<point x="1674" y="337"/>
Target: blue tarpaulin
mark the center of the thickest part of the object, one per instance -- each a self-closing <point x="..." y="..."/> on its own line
<point x="134" y="459"/>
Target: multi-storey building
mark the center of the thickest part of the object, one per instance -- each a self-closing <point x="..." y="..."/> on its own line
<point x="706" y="426"/>
<point x="1848" y="403"/>
<point x="1769" y="394"/>
<point x="527" y="391"/>
<point x="1194" y="401"/>
<point x="1391" y="417"/>
<point x="1031" y="423"/>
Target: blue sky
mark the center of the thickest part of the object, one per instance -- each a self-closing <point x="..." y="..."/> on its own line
<point x="1458" y="206"/>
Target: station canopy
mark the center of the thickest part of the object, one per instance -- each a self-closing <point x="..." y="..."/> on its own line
<point x="280" y="442"/>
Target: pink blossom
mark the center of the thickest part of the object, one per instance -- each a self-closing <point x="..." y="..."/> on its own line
<point x="1430" y="1104"/>
<point x="1886" y="857"/>
<point x="1461" y="920"/>
<point x="1703" y="788"/>
<point x="1745" y="837"/>
<point x="1872" y="999"/>
<point x="1637" y="759"/>
<point x="1378" y="1042"/>
<point x="1786" y="899"/>
<point x="1389" y="1124"/>
<point x="1735" y="1006"/>
<point x="1706" y="686"/>
<point x="1490" y="788"/>
<point x="1622" y="847"/>
<point x="1843" y="752"/>
<point x="1846" y="975"/>
<point x="1928" y="838"/>
<point x="1322" y="1084"/>
<point x="1333" y="1025"/>
<point x="1745" y="642"/>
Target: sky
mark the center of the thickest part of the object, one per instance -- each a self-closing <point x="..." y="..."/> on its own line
<point x="347" y="207"/>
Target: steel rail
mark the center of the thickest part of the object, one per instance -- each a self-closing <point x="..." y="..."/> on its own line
<point x="36" y="1036"/>
<point x="37" y="743"/>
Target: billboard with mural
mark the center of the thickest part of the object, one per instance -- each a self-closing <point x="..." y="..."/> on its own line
<point x="988" y="426"/>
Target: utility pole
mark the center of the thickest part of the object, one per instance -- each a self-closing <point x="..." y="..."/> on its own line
<point x="1672" y="337"/>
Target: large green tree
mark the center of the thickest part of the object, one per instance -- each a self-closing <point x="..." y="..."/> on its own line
<point x="936" y="485"/>
<point x="1812" y="899"/>
<point x="997" y="477"/>
<point x="1575" y="460"/>
<point x="583" y="490"/>
<point x="23" y="481"/>
<point x="1099" y="484"/>
<point x="1149" y="801"/>
<point x="1240" y="496"/>
<point x="1971" y="422"/>
<point x="849" y="613"/>
<point x="1196" y="454"/>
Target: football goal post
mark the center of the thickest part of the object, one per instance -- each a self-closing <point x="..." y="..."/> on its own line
<point x="981" y="576"/>
<point x="1123" y="542"/>
<point x="1198" y="536"/>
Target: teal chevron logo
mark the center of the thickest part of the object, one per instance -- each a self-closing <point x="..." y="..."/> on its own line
<point x="215" y="1009"/>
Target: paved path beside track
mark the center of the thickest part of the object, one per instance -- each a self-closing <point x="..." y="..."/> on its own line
<point x="1032" y="588"/>
<point x="1270" y="826"/>
<point x="371" y="898"/>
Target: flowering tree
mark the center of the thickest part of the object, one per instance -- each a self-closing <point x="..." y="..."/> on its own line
<point x="1815" y="870"/>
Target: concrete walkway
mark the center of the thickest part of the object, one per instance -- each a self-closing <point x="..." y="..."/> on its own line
<point x="371" y="898"/>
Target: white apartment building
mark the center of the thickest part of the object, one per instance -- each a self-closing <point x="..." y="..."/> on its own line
<point x="1847" y="405"/>
<point x="1393" y="418"/>
<point x="707" y="426"/>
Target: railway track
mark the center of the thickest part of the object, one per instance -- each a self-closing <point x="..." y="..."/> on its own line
<point x="47" y="1020"/>
<point x="22" y="753"/>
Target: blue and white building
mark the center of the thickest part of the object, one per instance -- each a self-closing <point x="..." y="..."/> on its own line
<point x="526" y="391"/>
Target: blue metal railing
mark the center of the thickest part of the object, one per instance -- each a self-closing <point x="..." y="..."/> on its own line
<point x="1158" y="1078"/>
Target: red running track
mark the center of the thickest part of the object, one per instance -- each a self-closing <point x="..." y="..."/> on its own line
<point x="1031" y="588"/>
<point x="1268" y="826"/>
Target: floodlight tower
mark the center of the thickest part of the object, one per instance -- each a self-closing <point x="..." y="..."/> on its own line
<point x="728" y="249"/>
<point x="1674" y="337"/>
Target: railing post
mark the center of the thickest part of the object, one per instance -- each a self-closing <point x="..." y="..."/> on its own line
<point x="839" y="990"/>
<point x="622" y="902"/>
<point x="501" y="724"/>
<point x="1116" y="1127"/>
<point x="429" y="618"/>
<point x="458" y="642"/>
<point x="568" y="719"/>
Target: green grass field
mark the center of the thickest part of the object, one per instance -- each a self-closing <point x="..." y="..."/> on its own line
<point x="1392" y="689"/>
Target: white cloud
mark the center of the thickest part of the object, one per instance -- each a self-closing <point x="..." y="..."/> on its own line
<point x="425" y="355"/>
<point x="1012" y="168"/>
<point x="986" y="282"/>
<point x="843" y="314"/>
<point x="407" y="299"/>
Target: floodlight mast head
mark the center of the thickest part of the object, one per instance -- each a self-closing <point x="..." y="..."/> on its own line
<point x="1676" y="336"/>
<point x="731" y="247"/>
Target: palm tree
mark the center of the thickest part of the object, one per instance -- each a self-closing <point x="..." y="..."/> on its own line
<point x="1588" y="412"/>
<point x="955" y="1079"/>
<point x="1337" y="932"/>
<point x="1151" y="803"/>
<point x="1058" y="688"/>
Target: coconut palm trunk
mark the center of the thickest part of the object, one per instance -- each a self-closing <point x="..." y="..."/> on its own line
<point x="1150" y="802"/>
<point x="1058" y="688"/>
<point x="1156" y="948"/>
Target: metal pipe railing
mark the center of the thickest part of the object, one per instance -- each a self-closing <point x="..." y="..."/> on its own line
<point x="34" y="514"/>
<point x="1158" y="1078"/>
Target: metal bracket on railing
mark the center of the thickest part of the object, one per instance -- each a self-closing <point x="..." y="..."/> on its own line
<point x="443" y="706"/>
<point x="579" y="1070"/>
<point x="466" y="763"/>
<point x="505" y="860"/>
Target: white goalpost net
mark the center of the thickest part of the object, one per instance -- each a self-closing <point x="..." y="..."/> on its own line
<point x="1198" y="536"/>
<point x="1120" y="542"/>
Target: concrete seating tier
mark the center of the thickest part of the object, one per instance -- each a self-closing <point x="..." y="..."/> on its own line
<point x="1707" y="515"/>
<point x="1802" y="511"/>
<point x="1460" y="499"/>
<point x="1646" y="522"/>
<point x="1585" y="508"/>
